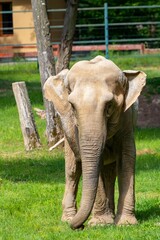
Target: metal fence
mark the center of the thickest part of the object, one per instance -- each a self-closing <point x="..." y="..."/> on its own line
<point x="137" y="28"/>
<point x="104" y="25"/>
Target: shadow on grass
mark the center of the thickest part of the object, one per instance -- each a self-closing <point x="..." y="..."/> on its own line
<point x="147" y="162"/>
<point x="16" y="73"/>
<point x="42" y="169"/>
<point x="149" y="134"/>
<point x="7" y="97"/>
<point x="48" y="169"/>
<point x="150" y="209"/>
<point x="153" y="86"/>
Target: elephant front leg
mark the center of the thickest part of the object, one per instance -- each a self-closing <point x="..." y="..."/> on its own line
<point x="72" y="175"/>
<point x="103" y="211"/>
<point x="126" y="182"/>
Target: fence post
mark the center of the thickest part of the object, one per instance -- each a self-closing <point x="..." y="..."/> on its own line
<point x="106" y="28"/>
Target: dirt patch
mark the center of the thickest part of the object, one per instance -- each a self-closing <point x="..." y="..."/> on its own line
<point x="149" y="111"/>
<point x="145" y="151"/>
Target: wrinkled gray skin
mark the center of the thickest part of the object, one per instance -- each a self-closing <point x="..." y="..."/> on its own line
<point x="95" y="102"/>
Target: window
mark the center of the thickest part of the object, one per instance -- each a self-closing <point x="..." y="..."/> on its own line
<point x="6" y="20"/>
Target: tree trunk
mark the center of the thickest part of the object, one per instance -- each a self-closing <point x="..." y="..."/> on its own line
<point x="45" y="56"/>
<point x="67" y="36"/>
<point x="46" y="61"/>
<point x="29" y="131"/>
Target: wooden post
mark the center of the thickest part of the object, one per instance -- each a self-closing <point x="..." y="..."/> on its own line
<point x="28" y="127"/>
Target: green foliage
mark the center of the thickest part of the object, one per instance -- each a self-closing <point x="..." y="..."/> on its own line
<point x="32" y="183"/>
<point x="99" y="3"/>
<point x="139" y="15"/>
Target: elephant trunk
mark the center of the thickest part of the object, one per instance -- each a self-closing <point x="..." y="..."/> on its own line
<point x="90" y="148"/>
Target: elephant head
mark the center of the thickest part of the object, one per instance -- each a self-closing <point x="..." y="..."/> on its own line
<point x="90" y="98"/>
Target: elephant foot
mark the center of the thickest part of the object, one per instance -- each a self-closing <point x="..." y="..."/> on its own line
<point x="101" y="220"/>
<point x="67" y="217"/>
<point x="124" y="219"/>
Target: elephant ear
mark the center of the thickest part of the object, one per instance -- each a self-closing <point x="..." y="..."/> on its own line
<point x="136" y="81"/>
<point x="55" y="91"/>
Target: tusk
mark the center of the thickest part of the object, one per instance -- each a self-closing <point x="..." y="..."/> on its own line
<point x="57" y="144"/>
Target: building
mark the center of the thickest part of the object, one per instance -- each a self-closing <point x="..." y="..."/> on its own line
<point x="17" y="33"/>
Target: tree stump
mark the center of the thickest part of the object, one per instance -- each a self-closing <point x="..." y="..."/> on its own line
<point x="28" y="127"/>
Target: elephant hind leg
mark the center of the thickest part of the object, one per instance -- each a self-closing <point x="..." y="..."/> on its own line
<point x="103" y="211"/>
<point x="72" y="175"/>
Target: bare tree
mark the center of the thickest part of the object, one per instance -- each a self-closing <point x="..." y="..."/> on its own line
<point x="67" y="35"/>
<point x="46" y="58"/>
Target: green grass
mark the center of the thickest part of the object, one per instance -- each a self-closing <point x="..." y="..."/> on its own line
<point x="32" y="183"/>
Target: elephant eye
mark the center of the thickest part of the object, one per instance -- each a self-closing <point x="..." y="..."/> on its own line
<point x="72" y="106"/>
<point x="74" y="109"/>
<point x="109" y="108"/>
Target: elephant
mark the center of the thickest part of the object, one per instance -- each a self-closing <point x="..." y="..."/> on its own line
<point x="96" y="104"/>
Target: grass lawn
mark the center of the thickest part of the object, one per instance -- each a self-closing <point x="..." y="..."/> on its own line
<point x="32" y="183"/>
